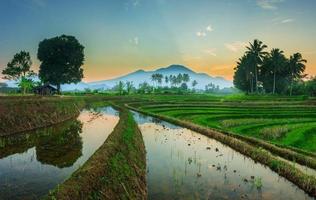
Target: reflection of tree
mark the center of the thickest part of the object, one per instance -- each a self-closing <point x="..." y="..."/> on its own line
<point x="63" y="147"/>
<point x="16" y="144"/>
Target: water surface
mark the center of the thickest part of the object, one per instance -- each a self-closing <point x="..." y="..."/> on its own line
<point x="183" y="164"/>
<point x="33" y="163"/>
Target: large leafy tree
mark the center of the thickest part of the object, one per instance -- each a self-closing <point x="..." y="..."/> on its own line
<point x="257" y="54"/>
<point x="62" y="58"/>
<point x="19" y="69"/>
<point x="296" y="68"/>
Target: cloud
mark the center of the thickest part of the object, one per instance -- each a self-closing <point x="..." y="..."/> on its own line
<point x="287" y="21"/>
<point x="209" y="28"/>
<point x="211" y="52"/>
<point x="134" y="41"/>
<point x="269" y="4"/>
<point x="235" y="46"/>
<point x="201" y="34"/>
<point x="132" y="4"/>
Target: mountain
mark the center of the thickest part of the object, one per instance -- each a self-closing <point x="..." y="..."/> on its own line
<point x="141" y="76"/>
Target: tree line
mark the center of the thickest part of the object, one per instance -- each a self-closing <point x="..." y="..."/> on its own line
<point x="259" y="71"/>
<point x="61" y="60"/>
<point x="172" y="83"/>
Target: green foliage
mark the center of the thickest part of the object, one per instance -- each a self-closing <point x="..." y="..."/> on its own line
<point x="19" y="69"/>
<point x="26" y="84"/>
<point x="19" y="66"/>
<point x="262" y="72"/>
<point x="61" y="60"/>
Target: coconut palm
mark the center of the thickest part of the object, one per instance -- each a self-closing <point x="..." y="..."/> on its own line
<point x="256" y="53"/>
<point x="275" y="63"/>
<point x="296" y="67"/>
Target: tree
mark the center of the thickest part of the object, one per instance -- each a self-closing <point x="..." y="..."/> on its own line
<point x="26" y="83"/>
<point x="274" y="64"/>
<point x="144" y="88"/>
<point x="120" y="87"/>
<point x="179" y="79"/>
<point x="129" y="86"/>
<point x="184" y="86"/>
<point x="19" y="68"/>
<point x="166" y="80"/>
<point x="256" y="53"/>
<point x="61" y="60"/>
<point x="296" y="67"/>
<point x="244" y="74"/>
<point x="186" y="78"/>
<point x="194" y="83"/>
<point x="311" y="86"/>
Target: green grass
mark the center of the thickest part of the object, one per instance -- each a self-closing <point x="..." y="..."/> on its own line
<point x="288" y="121"/>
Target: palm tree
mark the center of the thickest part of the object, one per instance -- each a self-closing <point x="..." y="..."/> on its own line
<point x="247" y="70"/>
<point x="296" y="68"/>
<point x="194" y="83"/>
<point x="276" y="61"/>
<point x="166" y="80"/>
<point x="186" y="78"/>
<point x="257" y="53"/>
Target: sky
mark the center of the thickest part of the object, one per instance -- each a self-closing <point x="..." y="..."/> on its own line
<point x="122" y="36"/>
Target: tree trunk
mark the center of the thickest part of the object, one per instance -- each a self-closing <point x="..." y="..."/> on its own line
<point x="256" y="75"/>
<point x="291" y="86"/>
<point x="58" y="88"/>
<point x="273" y="91"/>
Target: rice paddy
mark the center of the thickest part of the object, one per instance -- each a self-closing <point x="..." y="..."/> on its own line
<point x="286" y="121"/>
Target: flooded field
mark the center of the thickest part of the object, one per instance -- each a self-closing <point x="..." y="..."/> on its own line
<point x="183" y="164"/>
<point x="33" y="163"/>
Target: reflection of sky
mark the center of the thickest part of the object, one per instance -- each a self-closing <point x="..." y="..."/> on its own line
<point x="207" y="35"/>
<point x="143" y="119"/>
<point x="181" y="167"/>
<point x="21" y="175"/>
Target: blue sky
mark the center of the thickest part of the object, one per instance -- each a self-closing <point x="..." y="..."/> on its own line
<point x="121" y="36"/>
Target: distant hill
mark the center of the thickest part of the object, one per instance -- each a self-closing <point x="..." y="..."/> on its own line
<point x="141" y="76"/>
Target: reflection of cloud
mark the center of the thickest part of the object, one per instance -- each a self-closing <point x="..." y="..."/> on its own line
<point x="268" y="4"/>
<point x="211" y="52"/>
<point x="287" y="21"/>
<point x="235" y="46"/>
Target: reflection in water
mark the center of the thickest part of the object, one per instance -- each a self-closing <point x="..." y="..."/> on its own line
<point x="33" y="163"/>
<point x="61" y="149"/>
<point x="183" y="164"/>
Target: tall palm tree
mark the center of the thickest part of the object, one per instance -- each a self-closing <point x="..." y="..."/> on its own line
<point x="244" y="63"/>
<point x="276" y="62"/>
<point x="257" y="53"/>
<point x="296" y="68"/>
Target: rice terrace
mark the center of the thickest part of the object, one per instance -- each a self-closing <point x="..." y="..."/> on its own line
<point x="158" y="100"/>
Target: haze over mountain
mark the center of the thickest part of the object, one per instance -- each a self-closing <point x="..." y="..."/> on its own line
<point x="141" y="76"/>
